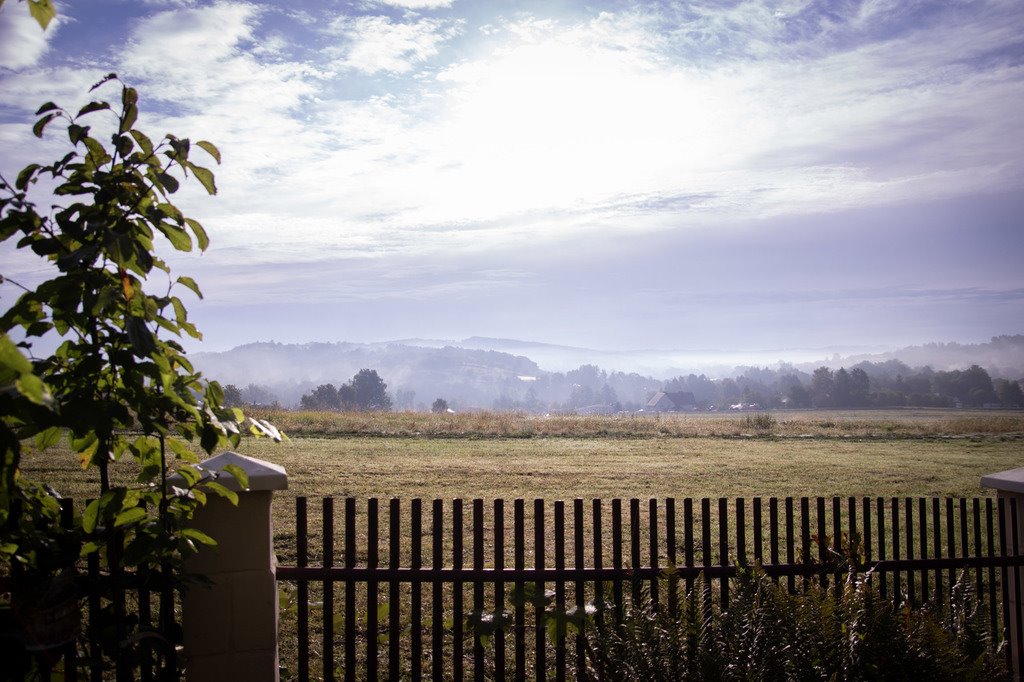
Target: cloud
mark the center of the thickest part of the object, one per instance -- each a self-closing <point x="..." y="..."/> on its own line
<point x="22" y="41"/>
<point x="376" y="43"/>
<point x="416" y="4"/>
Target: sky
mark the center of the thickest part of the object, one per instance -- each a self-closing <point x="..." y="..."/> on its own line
<point x="678" y="175"/>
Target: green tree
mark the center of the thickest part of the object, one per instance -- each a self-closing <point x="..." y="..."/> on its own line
<point x="119" y="386"/>
<point x="370" y="391"/>
<point x="324" y="397"/>
<point x="440" y="406"/>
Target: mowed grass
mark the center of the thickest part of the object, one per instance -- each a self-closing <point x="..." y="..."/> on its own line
<point x="490" y="455"/>
<point x="946" y="461"/>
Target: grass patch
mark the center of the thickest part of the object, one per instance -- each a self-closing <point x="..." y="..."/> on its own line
<point x="784" y="424"/>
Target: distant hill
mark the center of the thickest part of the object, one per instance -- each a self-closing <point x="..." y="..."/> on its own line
<point x="482" y="372"/>
<point x="476" y="377"/>
<point x="1003" y="356"/>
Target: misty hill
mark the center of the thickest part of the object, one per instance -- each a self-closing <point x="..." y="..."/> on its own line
<point x="472" y="377"/>
<point x="1003" y="356"/>
<point x="482" y="373"/>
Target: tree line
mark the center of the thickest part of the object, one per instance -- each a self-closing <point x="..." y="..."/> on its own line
<point x="364" y="392"/>
<point x="886" y="384"/>
<point x="891" y="383"/>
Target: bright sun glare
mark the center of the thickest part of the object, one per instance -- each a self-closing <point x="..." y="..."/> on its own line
<point x="544" y="124"/>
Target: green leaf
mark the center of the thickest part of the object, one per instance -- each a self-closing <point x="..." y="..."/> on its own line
<point x="239" y="474"/>
<point x="129" y="516"/>
<point x="40" y="125"/>
<point x="229" y="495"/>
<point x="43" y="11"/>
<point x="210" y="149"/>
<point x="199" y="536"/>
<point x="167" y="181"/>
<point x="48" y="437"/>
<point x="145" y="144"/>
<point x="178" y="237"/>
<point x="201" y="239"/>
<point x="77" y="133"/>
<point x="90" y="517"/>
<point x="97" y="154"/>
<point x="91" y="107"/>
<point x="32" y="387"/>
<point x="49" y="106"/>
<point x="190" y="283"/>
<point x="190" y="474"/>
<point x="27" y="175"/>
<point x="182" y="451"/>
<point x="123" y="144"/>
<point x="204" y="175"/>
<point x="128" y="117"/>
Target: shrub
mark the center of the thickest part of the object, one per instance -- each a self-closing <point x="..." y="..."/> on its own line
<point x="765" y="633"/>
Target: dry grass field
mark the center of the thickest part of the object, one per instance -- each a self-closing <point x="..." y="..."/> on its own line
<point x="500" y="455"/>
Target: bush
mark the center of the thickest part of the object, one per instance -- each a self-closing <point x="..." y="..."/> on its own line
<point x="768" y="634"/>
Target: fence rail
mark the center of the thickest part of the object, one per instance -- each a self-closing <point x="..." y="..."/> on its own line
<point x="459" y="591"/>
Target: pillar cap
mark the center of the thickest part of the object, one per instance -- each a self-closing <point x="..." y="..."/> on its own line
<point x="262" y="475"/>
<point x="1011" y="480"/>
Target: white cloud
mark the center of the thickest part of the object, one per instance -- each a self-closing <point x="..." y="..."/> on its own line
<point x="376" y="43"/>
<point x="22" y="41"/>
<point x="416" y="4"/>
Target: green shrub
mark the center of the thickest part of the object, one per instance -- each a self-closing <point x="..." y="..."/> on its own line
<point x="768" y="634"/>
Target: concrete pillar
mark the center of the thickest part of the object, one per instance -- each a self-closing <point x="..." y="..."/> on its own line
<point x="1009" y="485"/>
<point x="230" y="628"/>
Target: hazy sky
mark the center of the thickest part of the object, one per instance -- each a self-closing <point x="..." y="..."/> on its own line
<point x="739" y="175"/>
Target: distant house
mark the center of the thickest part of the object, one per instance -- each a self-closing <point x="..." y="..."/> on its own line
<point x="678" y="401"/>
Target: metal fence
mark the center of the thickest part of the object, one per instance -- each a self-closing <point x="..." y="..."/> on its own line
<point x="448" y="590"/>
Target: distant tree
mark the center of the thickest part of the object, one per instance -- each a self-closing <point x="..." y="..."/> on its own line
<point x="255" y="394"/>
<point x="325" y="397"/>
<point x="370" y="391"/>
<point x="405" y="399"/>
<point x="860" y="387"/>
<point x="440" y="406"/>
<point x="347" y="397"/>
<point x="798" y="396"/>
<point x="609" y="397"/>
<point x="822" y="386"/>
<point x="1009" y="393"/>
<point x="232" y="396"/>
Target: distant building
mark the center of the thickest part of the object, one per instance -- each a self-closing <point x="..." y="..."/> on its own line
<point x="677" y="401"/>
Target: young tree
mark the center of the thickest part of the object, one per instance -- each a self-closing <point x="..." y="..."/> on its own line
<point x="118" y="386"/>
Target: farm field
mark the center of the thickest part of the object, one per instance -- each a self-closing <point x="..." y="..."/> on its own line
<point x="495" y="455"/>
<point x="508" y="455"/>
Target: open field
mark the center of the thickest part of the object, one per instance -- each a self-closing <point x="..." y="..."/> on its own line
<point x="507" y="455"/>
<point x="901" y="423"/>
<point x="887" y="454"/>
